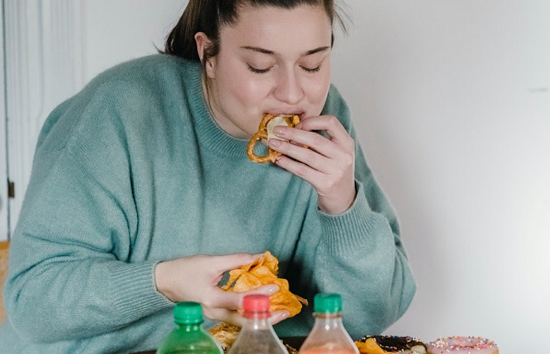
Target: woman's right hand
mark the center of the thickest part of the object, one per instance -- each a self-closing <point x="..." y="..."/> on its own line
<point x="196" y="278"/>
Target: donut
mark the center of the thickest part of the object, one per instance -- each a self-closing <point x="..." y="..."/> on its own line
<point x="380" y="344"/>
<point x="462" y="345"/>
<point x="265" y="132"/>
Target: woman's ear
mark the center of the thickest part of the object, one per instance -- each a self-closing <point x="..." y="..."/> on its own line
<point x="203" y="42"/>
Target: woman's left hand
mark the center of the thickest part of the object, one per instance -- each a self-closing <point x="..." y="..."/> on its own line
<point x="328" y="164"/>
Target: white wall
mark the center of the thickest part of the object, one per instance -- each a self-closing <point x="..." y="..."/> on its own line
<point x="3" y="155"/>
<point x="451" y="99"/>
<point x="120" y="30"/>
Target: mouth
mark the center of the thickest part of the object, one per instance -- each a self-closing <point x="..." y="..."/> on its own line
<point x="287" y="113"/>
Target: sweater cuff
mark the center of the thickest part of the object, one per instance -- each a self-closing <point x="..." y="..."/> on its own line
<point x="351" y="230"/>
<point x="134" y="291"/>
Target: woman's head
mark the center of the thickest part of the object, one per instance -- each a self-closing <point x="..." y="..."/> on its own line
<point x="208" y="16"/>
<point x="258" y="56"/>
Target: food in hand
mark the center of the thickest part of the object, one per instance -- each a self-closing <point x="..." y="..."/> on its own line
<point x="263" y="271"/>
<point x="462" y="345"/>
<point x="265" y="132"/>
<point x="390" y="344"/>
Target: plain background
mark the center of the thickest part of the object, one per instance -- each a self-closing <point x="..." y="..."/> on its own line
<point x="451" y="100"/>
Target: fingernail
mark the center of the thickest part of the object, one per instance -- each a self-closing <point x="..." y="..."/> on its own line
<point x="273" y="289"/>
<point x="274" y="143"/>
<point x="278" y="130"/>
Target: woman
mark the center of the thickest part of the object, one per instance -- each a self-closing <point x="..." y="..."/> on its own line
<point x="142" y="194"/>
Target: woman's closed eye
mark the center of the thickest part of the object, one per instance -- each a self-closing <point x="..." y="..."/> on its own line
<point x="265" y="70"/>
<point x="311" y="69"/>
<point x="258" y="70"/>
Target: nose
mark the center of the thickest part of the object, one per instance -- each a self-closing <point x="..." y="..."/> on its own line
<point x="289" y="90"/>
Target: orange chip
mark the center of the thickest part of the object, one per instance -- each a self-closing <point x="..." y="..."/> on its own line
<point x="263" y="271"/>
<point x="369" y="347"/>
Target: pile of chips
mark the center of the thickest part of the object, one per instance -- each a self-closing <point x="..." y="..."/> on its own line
<point x="263" y="271"/>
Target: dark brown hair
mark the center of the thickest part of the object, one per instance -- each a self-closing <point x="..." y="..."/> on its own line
<point x="208" y="15"/>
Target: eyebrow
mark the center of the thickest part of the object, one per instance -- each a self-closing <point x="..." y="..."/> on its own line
<point x="270" y="52"/>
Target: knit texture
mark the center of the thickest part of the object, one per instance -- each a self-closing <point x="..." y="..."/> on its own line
<point x="133" y="170"/>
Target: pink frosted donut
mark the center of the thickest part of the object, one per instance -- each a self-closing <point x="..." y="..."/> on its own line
<point x="462" y="345"/>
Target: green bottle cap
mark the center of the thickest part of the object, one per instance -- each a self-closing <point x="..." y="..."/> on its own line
<point x="188" y="312"/>
<point x="331" y="303"/>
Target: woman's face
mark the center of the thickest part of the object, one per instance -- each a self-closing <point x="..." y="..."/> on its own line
<point x="272" y="60"/>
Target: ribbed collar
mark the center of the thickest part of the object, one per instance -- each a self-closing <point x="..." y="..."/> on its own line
<point x="209" y="132"/>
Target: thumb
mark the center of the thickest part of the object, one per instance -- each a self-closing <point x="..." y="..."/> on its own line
<point x="234" y="300"/>
<point x="227" y="299"/>
<point x="278" y="316"/>
<point x="268" y="289"/>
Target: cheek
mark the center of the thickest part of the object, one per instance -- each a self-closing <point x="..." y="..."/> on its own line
<point x="237" y="81"/>
<point x="317" y="89"/>
<point x="248" y="90"/>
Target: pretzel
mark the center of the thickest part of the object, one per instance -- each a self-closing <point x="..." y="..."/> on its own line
<point x="262" y="134"/>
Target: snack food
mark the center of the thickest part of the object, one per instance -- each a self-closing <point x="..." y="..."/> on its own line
<point x="265" y="132"/>
<point x="264" y="271"/>
<point x="225" y="334"/>
<point x="462" y="345"/>
<point x="390" y="344"/>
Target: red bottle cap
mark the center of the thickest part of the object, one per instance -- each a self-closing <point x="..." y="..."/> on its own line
<point x="256" y="305"/>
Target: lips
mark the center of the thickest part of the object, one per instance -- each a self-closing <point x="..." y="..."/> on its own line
<point x="299" y="112"/>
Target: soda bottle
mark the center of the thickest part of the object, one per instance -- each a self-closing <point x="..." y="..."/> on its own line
<point x="189" y="337"/>
<point x="257" y="335"/>
<point x="328" y="335"/>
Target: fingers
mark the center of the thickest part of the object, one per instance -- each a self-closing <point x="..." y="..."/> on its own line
<point x="278" y="316"/>
<point x="224" y="305"/>
<point x="295" y="140"/>
<point x="330" y="124"/>
<point x="268" y="290"/>
<point x="338" y="146"/>
<point x="232" y="261"/>
<point x="310" y="157"/>
<point x="196" y="278"/>
<point x="328" y="164"/>
<point x="226" y="299"/>
<point x="337" y="134"/>
<point x="233" y="300"/>
<point x="224" y="315"/>
<point x="235" y="318"/>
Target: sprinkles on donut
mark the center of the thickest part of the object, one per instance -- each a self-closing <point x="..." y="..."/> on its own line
<point x="462" y="345"/>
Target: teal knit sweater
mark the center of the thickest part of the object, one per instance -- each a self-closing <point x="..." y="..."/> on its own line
<point x="132" y="171"/>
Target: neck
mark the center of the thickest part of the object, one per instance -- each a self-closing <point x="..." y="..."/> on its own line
<point x="219" y="117"/>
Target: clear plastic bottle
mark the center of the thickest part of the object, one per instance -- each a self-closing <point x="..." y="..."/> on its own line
<point x="257" y="335"/>
<point x="189" y="337"/>
<point x="328" y="335"/>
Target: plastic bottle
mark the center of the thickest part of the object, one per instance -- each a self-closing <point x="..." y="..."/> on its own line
<point x="328" y="335"/>
<point x="257" y="335"/>
<point x="189" y="337"/>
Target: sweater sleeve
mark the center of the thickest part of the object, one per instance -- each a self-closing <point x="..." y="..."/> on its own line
<point x="72" y="273"/>
<point x="358" y="254"/>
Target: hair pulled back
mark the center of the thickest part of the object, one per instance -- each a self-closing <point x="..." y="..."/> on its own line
<point x="209" y="15"/>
